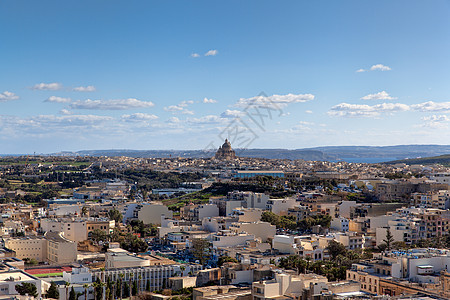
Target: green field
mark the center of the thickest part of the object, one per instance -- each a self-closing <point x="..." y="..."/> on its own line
<point x="48" y="275"/>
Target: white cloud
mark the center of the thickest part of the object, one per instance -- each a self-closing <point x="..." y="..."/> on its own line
<point x="180" y="108"/>
<point x="308" y="111"/>
<point x="116" y="104"/>
<point x="56" y="99"/>
<point x="209" y="119"/>
<point x="89" y="88"/>
<point x="232" y="113"/>
<point x="435" y="118"/>
<point x="363" y="110"/>
<point x="195" y="55"/>
<point x="139" y="117"/>
<point x="8" y="96"/>
<point x="431" y="106"/>
<point x="380" y="67"/>
<point x="173" y="108"/>
<point x="302" y="126"/>
<point x="383" y="95"/>
<point x="211" y="53"/>
<point x="206" y="100"/>
<point x="65" y="112"/>
<point x="360" y="71"/>
<point x="71" y="119"/>
<point x="435" y="122"/>
<point x="277" y="101"/>
<point x="54" y="86"/>
<point x="174" y="120"/>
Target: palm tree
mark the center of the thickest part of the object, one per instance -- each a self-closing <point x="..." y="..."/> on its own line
<point x="67" y="284"/>
<point x="139" y="283"/>
<point x="85" y="286"/>
<point x="121" y="276"/>
<point x="95" y="285"/>
<point x="84" y="211"/>
<point x="130" y="275"/>
<point x="102" y="287"/>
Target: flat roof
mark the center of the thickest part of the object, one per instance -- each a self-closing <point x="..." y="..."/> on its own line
<point x="17" y="275"/>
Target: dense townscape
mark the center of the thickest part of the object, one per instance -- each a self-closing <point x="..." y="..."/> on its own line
<point x="221" y="228"/>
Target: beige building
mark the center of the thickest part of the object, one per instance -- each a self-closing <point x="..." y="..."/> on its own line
<point x="59" y="249"/>
<point x="53" y="247"/>
<point x="285" y="284"/>
<point x="107" y="226"/>
<point x="120" y="258"/>
<point x="28" y="247"/>
<point x="262" y="230"/>
<point x="74" y="230"/>
<point x="150" y="213"/>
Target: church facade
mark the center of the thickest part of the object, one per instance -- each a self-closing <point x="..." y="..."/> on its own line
<point x="225" y="152"/>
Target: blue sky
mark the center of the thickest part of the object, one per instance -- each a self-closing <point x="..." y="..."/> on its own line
<point x="176" y="74"/>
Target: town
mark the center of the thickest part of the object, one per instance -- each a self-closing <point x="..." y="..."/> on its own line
<point x="225" y="227"/>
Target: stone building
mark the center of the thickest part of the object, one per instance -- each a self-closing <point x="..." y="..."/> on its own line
<point x="225" y="152"/>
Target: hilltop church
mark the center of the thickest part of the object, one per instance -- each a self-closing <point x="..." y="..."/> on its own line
<point x="225" y="152"/>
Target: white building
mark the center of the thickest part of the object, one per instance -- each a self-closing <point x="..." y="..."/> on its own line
<point x="226" y="238"/>
<point x="340" y="224"/>
<point x="261" y="230"/>
<point x="281" y="206"/>
<point x="150" y="213"/>
<point x="9" y="280"/>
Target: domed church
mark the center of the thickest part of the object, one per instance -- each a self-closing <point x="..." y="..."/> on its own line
<point x="225" y="152"/>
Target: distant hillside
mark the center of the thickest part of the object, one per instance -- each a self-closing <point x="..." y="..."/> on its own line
<point x="390" y="152"/>
<point x="369" y="154"/>
<point x="442" y="159"/>
<point x="285" y="154"/>
<point x="259" y="153"/>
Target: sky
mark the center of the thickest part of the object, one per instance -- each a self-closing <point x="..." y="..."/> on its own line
<point x="83" y="75"/>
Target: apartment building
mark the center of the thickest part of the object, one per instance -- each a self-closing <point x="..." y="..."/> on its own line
<point x="28" y="247"/>
<point x="151" y="212"/>
<point x="53" y="247"/>
<point x="261" y="230"/>
<point x="218" y="223"/>
<point x="434" y="199"/>
<point x="227" y="238"/>
<point x="73" y="229"/>
<point x="156" y="276"/>
<point x="284" y="285"/>
<point x="238" y="199"/>
<point x="102" y="224"/>
<point x="59" y="249"/>
<point x="200" y="211"/>
<point x="281" y="206"/>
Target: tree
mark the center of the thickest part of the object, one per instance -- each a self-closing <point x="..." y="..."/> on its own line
<point x="86" y="287"/>
<point x="224" y="259"/>
<point x="27" y="288"/>
<point x="270" y="217"/>
<point x="72" y="295"/>
<point x="126" y="288"/>
<point x="84" y="211"/>
<point x="121" y="276"/>
<point x="52" y="291"/>
<point x="133" y="244"/>
<point x="115" y="215"/>
<point x="201" y="250"/>
<point x="134" y="290"/>
<point x="67" y="284"/>
<point x="389" y="239"/>
<point x="335" y="248"/>
<point x="98" y="235"/>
